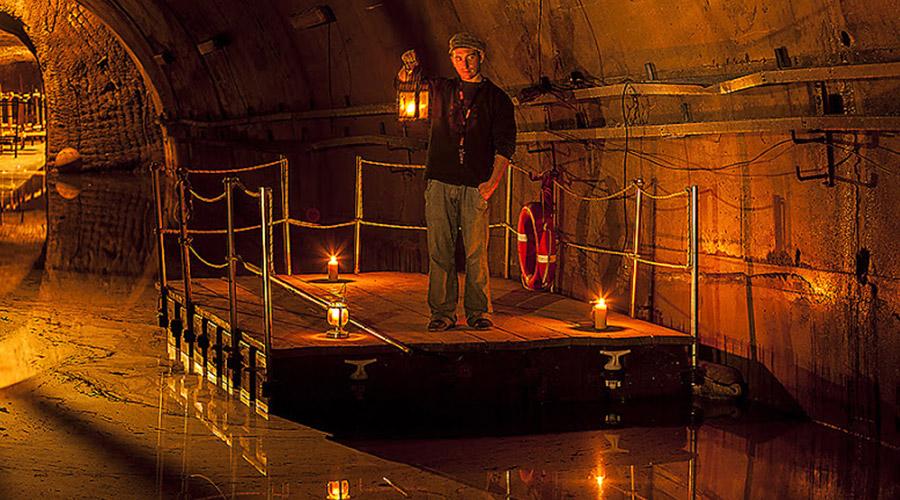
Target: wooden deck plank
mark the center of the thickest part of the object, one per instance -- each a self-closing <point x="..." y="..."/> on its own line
<point x="519" y="315"/>
<point x="395" y="304"/>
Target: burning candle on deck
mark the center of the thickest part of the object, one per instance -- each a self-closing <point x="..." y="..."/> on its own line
<point x="332" y="269"/>
<point x="598" y="314"/>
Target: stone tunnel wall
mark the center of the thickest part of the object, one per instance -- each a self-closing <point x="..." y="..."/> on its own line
<point x="97" y="104"/>
<point x="798" y="280"/>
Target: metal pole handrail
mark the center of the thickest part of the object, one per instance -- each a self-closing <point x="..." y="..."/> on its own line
<point x="315" y="300"/>
<point x="695" y="279"/>
<point x="359" y="215"/>
<point x="507" y="221"/>
<point x="636" y="246"/>
<point x="188" y="326"/>
<point x="265" y="208"/>
<point x="162" y="309"/>
<point x="232" y="284"/>
<point x="286" y="214"/>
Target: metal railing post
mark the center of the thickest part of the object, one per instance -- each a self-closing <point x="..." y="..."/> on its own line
<point x="557" y="207"/>
<point x="265" y="208"/>
<point x="359" y="214"/>
<point x="636" y="246"/>
<point x="286" y="214"/>
<point x="184" y="192"/>
<point x="508" y="227"/>
<point x="234" y="359"/>
<point x="695" y="278"/>
<point x="162" y="310"/>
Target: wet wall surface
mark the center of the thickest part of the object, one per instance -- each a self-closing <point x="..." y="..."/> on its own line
<point x="90" y="407"/>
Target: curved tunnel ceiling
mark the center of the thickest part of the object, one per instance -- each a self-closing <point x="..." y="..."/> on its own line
<point x="232" y="58"/>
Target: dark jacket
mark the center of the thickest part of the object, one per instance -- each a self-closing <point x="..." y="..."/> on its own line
<point x="490" y="129"/>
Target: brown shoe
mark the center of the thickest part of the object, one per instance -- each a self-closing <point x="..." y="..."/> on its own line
<point x="439" y="325"/>
<point x="481" y="324"/>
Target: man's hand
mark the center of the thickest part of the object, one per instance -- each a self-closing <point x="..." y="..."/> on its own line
<point x="486" y="189"/>
<point x="410" y="66"/>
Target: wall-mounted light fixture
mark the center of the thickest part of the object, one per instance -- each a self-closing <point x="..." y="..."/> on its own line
<point x="217" y="42"/>
<point x="314" y="16"/>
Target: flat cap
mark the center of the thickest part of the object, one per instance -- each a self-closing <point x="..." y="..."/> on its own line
<point x="466" y="40"/>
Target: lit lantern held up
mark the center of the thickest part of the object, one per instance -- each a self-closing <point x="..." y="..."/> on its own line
<point x="332" y="268"/>
<point x="598" y="314"/>
<point x="338" y="315"/>
<point x="412" y="101"/>
<point x="338" y="490"/>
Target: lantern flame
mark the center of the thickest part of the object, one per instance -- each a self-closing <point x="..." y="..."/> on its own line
<point x="338" y="490"/>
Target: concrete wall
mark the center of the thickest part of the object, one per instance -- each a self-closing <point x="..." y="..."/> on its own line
<point x="799" y="280"/>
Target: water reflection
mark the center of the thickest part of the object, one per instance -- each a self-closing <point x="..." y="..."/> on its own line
<point x="744" y="457"/>
<point x="213" y="436"/>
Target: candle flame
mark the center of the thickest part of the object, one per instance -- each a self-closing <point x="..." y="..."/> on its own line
<point x="600" y="303"/>
<point x="333" y="260"/>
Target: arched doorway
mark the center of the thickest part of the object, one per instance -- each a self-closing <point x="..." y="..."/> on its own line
<point x="23" y="155"/>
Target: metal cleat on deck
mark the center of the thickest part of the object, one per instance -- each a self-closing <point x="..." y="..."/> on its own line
<point x="614" y="364"/>
<point x="360" y="373"/>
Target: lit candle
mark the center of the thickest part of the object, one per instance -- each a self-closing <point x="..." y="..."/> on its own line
<point x="598" y="314"/>
<point x="333" y="269"/>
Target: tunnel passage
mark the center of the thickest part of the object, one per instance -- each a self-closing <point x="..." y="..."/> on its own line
<point x="785" y="296"/>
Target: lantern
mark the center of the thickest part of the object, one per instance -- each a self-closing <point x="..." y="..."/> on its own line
<point x="598" y="314"/>
<point x="338" y="490"/>
<point x="332" y="268"/>
<point x="412" y="101"/>
<point x="338" y="315"/>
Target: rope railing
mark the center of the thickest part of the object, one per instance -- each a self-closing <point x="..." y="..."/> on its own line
<point x="617" y="195"/>
<point x="312" y="225"/>
<point x="206" y="262"/>
<point x="264" y="196"/>
<point x="241" y="187"/>
<point x="235" y="170"/>
<point x="205" y="199"/>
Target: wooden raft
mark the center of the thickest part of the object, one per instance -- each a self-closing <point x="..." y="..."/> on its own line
<point x="526" y="323"/>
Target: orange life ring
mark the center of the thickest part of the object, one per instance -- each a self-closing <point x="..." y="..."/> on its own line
<point x="536" y="247"/>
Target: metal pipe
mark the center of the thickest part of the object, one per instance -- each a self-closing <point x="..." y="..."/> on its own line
<point x="286" y="213"/>
<point x="268" y="264"/>
<point x="695" y="279"/>
<point x="637" y="242"/>
<point x="508" y="221"/>
<point x="185" y="255"/>
<point x="160" y="237"/>
<point x="232" y="281"/>
<point x="315" y="300"/>
<point x="359" y="214"/>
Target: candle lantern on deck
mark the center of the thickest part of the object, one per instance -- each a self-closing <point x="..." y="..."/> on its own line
<point x="598" y="314"/>
<point x="332" y="268"/>
<point x="338" y="315"/>
<point x="338" y="490"/>
<point x="412" y="100"/>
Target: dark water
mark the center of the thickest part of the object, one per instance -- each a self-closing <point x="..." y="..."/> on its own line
<point x="739" y="454"/>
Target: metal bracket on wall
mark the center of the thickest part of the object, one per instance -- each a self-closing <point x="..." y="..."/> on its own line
<point x="830" y="173"/>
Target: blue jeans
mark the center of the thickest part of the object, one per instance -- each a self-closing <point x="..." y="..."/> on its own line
<point x="447" y="208"/>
